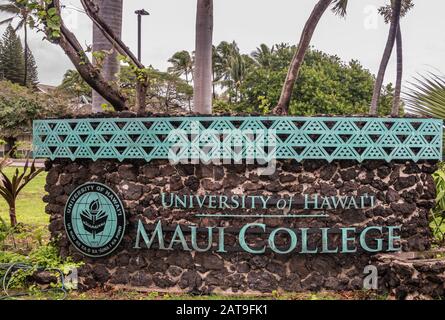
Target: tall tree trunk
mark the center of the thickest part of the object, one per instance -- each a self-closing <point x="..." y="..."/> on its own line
<point x="141" y="97"/>
<point x="25" y="78"/>
<point x="203" y="55"/>
<point x="12" y="216"/>
<point x="297" y="60"/>
<point x="399" y="44"/>
<point x="395" y="18"/>
<point x="187" y="80"/>
<point x="111" y="12"/>
<point x="213" y="82"/>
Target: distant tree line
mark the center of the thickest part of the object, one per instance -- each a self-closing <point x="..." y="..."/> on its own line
<point x="13" y="66"/>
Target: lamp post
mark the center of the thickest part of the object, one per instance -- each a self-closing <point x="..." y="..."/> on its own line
<point x="140" y="13"/>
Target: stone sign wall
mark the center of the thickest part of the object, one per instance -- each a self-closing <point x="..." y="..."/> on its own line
<point x="402" y="194"/>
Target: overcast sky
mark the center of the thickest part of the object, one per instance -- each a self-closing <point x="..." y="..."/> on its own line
<point x="170" y="28"/>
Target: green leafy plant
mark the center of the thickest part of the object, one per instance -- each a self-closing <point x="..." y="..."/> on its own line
<point x="438" y="212"/>
<point x="10" y="188"/>
<point x="426" y="96"/>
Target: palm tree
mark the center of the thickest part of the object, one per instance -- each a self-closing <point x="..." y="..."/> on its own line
<point x="237" y="73"/>
<point x="396" y="7"/>
<point x="386" y="12"/>
<point x="23" y="14"/>
<point x="203" y="57"/>
<point x="263" y="55"/>
<point x="111" y="12"/>
<point x="426" y="96"/>
<point x="228" y="65"/>
<point x="216" y="75"/>
<point x="182" y="64"/>
<point x="305" y="40"/>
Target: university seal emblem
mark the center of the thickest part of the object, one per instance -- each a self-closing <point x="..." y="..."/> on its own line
<point x="94" y="219"/>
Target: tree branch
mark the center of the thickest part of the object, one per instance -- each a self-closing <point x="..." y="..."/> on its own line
<point x="92" y="12"/>
<point x="73" y="49"/>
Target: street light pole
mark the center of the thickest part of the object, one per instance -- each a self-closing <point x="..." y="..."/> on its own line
<point x="140" y="13"/>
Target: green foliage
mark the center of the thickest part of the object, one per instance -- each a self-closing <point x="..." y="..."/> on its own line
<point x="438" y="212"/>
<point x="41" y="257"/>
<point x="166" y="91"/>
<point x="20" y="105"/>
<point x="182" y="64"/>
<point x="10" y="188"/>
<point x="12" y="64"/>
<point x="326" y="85"/>
<point x="74" y="85"/>
<point x="12" y="60"/>
<point x="426" y="97"/>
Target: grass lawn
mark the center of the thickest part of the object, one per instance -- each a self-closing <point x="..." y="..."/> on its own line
<point x="30" y="207"/>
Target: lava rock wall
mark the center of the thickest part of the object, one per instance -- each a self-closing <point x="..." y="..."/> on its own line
<point x="404" y="193"/>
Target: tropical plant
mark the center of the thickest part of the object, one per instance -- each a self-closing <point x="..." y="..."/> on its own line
<point x="19" y="11"/>
<point x="182" y="64"/>
<point x="326" y="85"/>
<point x="438" y="212"/>
<point x="305" y="40"/>
<point x="263" y="55"/>
<point x="74" y="85"/>
<point x="111" y="12"/>
<point x="426" y="96"/>
<point x="230" y="68"/>
<point x="203" y="57"/>
<point x="10" y="188"/>
<point x="386" y="12"/>
<point x="5" y="161"/>
<point x="396" y="8"/>
<point x="166" y="92"/>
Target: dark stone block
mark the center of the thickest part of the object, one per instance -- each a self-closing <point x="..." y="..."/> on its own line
<point x="151" y="172"/>
<point x="287" y="178"/>
<point x="127" y="172"/>
<point x="176" y="183"/>
<point x="190" y="279"/>
<point x="327" y="172"/>
<point x="403" y="208"/>
<point x="392" y="196"/>
<point x="405" y="182"/>
<point x="100" y="273"/>
<point x="209" y="261"/>
<point x="163" y="281"/>
<point x="210" y="185"/>
<point x="192" y="183"/>
<point x="262" y="281"/>
<point x="306" y="179"/>
<point x="383" y="172"/>
<point x="140" y="279"/>
<point x="349" y="174"/>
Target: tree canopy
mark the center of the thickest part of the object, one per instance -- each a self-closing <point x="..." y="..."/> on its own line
<point x="326" y="85"/>
<point x="20" y="105"/>
<point x="12" y="60"/>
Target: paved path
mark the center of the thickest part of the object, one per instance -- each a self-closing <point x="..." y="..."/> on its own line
<point x="21" y="163"/>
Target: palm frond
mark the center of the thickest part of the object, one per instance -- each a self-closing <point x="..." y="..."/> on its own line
<point x="9" y="8"/>
<point x="6" y="21"/>
<point x="340" y="7"/>
<point x="426" y="96"/>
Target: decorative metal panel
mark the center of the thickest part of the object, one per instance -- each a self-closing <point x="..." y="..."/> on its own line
<point x="239" y="138"/>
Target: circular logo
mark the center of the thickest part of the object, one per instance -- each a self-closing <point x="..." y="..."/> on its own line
<point x="94" y="219"/>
